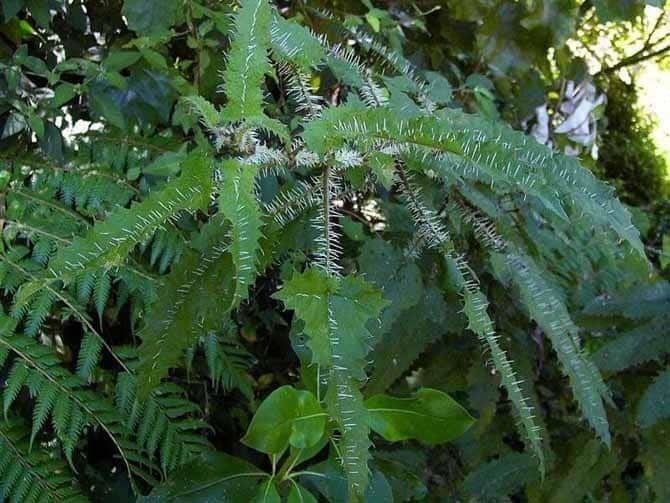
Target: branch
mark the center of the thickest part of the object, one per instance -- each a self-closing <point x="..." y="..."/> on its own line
<point x="633" y="60"/>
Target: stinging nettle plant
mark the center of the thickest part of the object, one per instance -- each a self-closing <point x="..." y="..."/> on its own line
<point x="452" y="193"/>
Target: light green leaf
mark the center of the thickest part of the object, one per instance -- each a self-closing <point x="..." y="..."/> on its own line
<point x="238" y="203"/>
<point x="430" y="416"/>
<point x="286" y="416"/>
<point x="247" y="61"/>
<point x="63" y="93"/>
<point x="118" y="60"/>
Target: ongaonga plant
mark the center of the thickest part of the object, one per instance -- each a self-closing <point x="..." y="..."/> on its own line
<point x="388" y="134"/>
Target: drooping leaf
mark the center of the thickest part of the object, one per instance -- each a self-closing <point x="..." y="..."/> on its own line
<point x="109" y="242"/>
<point x="196" y="298"/>
<point x="501" y="476"/>
<point x="328" y="479"/>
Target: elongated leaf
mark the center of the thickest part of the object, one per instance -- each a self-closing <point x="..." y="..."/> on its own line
<point x="239" y="205"/>
<point x="247" y="61"/>
<point x="110" y="241"/>
<point x="546" y="308"/>
<point x="501" y="477"/>
<point x="430" y="416"/>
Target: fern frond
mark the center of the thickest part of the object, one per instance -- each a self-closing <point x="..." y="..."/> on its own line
<point x="38" y="304"/>
<point x="28" y="474"/>
<point x="195" y="298"/>
<point x="108" y="244"/>
<point x="166" y="422"/>
<point x="239" y="205"/>
<point x="435" y="236"/>
<point x="76" y="407"/>
<point x="228" y="362"/>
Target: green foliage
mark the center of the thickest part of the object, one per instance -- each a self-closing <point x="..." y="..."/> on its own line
<point x="317" y="256"/>
<point x="286" y="417"/>
<point x="628" y="155"/>
<point x="28" y="474"/>
<point x="431" y="416"/>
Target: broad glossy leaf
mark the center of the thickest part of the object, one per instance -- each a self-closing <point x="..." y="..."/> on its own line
<point x="286" y="416"/>
<point x="430" y="416"/>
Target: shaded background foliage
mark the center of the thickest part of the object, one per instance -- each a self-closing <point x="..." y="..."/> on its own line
<point x="113" y="72"/>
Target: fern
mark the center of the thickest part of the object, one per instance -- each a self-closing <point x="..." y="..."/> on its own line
<point x="197" y="293"/>
<point x="228" y="362"/>
<point x="28" y="474"/>
<point x="109" y="242"/>
<point x="167" y="424"/>
<point x="77" y="406"/>
<point x="37" y="306"/>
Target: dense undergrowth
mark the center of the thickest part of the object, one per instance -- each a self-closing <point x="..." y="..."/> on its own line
<point x="277" y="260"/>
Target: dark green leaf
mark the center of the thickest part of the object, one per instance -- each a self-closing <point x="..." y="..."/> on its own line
<point x="213" y="477"/>
<point x="655" y="403"/>
<point x="149" y="17"/>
